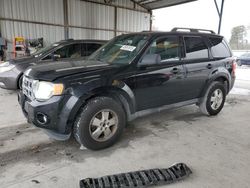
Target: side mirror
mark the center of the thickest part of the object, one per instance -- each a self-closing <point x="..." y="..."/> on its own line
<point x="150" y="59"/>
<point x="55" y="57"/>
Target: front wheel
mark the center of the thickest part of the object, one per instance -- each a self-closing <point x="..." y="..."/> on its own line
<point x="214" y="99"/>
<point x="20" y="82"/>
<point x="100" y="124"/>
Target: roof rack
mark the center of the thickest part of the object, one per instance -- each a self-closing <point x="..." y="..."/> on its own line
<point x="193" y="30"/>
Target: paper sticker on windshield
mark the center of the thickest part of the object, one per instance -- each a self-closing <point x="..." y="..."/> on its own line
<point x="128" y="48"/>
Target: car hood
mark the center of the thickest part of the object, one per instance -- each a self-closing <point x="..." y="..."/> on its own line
<point x="54" y="70"/>
<point x="22" y="60"/>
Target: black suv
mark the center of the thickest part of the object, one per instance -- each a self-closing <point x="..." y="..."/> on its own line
<point x="130" y="76"/>
<point x="11" y="72"/>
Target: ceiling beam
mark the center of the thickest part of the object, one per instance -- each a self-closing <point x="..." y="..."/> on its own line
<point x="156" y="4"/>
<point x="113" y="5"/>
<point x="135" y="2"/>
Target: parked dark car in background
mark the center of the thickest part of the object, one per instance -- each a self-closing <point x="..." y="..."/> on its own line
<point x="11" y="72"/>
<point x="130" y="76"/>
<point x="244" y="59"/>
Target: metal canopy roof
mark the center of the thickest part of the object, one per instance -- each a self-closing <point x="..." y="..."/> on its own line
<point x="156" y="4"/>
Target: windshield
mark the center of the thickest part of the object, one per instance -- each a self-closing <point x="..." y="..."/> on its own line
<point x="48" y="48"/>
<point x="120" y="50"/>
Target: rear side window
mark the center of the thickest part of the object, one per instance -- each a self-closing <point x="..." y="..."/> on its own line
<point x="196" y="48"/>
<point x="219" y="47"/>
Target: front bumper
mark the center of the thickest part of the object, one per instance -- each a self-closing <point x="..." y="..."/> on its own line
<point x="57" y="111"/>
<point x="9" y="80"/>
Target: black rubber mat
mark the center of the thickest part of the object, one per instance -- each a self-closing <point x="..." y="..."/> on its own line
<point x="144" y="178"/>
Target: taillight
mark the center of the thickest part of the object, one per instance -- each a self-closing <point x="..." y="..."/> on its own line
<point x="234" y="65"/>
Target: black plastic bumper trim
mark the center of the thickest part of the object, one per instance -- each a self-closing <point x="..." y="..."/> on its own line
<point x="144" y="178"/>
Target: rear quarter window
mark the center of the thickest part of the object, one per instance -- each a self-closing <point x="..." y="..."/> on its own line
<point x="219" y="47"/>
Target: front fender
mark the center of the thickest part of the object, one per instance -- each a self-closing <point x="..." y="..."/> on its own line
<point x="80" y="94"/>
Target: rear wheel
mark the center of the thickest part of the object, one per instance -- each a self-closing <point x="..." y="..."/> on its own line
<point x="214" y="99"/>
<point x="100" y="124"/>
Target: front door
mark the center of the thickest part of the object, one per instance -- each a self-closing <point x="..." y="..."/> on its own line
<point x="160" y="83"/>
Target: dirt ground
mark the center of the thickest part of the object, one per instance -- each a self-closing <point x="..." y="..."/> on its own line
<point x="217" y="149"/>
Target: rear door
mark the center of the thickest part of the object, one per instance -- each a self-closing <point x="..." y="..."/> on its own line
<point x="160" y="84"/>
<point x="197" y="60"/>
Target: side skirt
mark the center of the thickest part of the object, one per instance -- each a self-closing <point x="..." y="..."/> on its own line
<point x="162" y="108"/>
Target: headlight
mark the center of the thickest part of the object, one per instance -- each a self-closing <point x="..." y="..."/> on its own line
<point x="6" y="66"/>
<point x="45" y="90"/>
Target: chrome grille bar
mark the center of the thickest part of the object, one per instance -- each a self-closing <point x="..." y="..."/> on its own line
<point x="27" y="87"/>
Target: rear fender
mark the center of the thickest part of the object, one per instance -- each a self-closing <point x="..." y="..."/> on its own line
<point x="217" y="74"/>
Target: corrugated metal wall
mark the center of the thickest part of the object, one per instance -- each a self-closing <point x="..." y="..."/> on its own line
<point x="77" y="33"/>
<point x="132" y="21"/>
<point x="31" y="31"/>
<point x="86" y="20"/>
<point x="90" y="15"/>
<point x="47" y="11"/>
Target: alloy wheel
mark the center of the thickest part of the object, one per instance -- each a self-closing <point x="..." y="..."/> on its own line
<point x="216" y="99"/>
<point x="103" y="125"/>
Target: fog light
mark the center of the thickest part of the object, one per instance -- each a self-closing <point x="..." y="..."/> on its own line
<point x="42" y="118"/>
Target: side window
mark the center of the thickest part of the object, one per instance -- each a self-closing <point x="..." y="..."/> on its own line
<point x="62" y="52"/>
<point x="74" y="51"/>
<point x="69" y="51"/>
<point x="219" y="48"/>
<point x="195" y="48"/>
<point x="83" y="49"/>
<point x="167" y="48"/>
<point x="90" y="48"/>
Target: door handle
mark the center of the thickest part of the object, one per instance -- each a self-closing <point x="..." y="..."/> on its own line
<point x="175" y="70"/>
<point x="209" y="66"/>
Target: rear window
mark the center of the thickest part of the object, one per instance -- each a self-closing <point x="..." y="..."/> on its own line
<point x="219" y="47"/>
<point x="195" y="48"/>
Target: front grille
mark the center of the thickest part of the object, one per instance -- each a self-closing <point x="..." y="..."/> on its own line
<point x="27" y="87"/>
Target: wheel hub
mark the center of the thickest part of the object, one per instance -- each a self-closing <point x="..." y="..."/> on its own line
<point x="216" y="99"/>
<point x="103" y="125"/>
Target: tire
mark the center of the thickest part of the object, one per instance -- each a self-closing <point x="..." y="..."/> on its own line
<point x="100" y="123"/>
<point x="20" y="82"/>
<point x="214" y="99"/>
